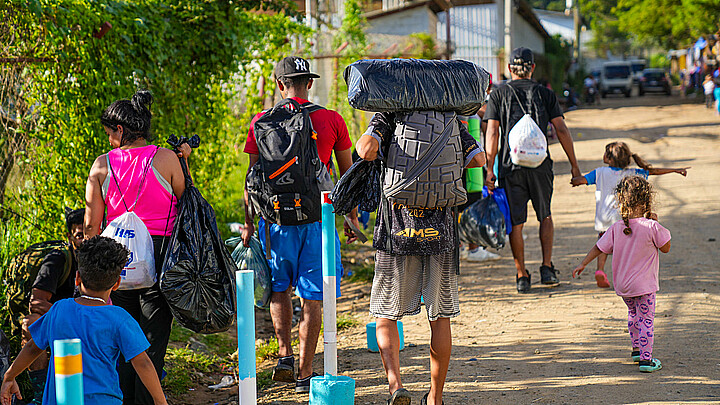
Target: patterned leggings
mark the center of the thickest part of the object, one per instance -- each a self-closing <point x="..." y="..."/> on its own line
<point x="641" y="314"/>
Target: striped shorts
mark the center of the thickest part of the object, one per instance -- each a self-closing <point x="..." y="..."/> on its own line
<point x="400" y="281"/>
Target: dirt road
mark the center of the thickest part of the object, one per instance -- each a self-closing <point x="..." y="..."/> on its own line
<point x="568" y="344"/>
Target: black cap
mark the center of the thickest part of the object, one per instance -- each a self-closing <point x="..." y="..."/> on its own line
<point x="293" y="66"/>
<point x="521" y="56"/>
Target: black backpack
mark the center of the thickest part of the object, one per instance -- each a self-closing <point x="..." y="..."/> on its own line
<point x="284" y="185"/>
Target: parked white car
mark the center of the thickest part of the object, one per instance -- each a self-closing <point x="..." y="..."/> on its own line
<point x="616" y="77"/>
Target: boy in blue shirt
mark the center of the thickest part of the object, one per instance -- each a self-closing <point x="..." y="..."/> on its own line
<point x="104" y="330"/>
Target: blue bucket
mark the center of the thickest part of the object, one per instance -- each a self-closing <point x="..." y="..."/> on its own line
<point x="372" y="337"/>
<point x="331" y="390"/>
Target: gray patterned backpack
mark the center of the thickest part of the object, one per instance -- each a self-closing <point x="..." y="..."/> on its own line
<point x="424" y="161"/>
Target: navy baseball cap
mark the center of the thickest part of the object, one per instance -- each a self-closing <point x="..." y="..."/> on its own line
<point x="522" y="56"/>
<point x="294" y="66"/>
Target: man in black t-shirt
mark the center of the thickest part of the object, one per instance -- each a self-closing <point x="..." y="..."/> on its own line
<point x="524" y="184"/>
<point x="48" y="288"/>
<point x="418" y="262"/>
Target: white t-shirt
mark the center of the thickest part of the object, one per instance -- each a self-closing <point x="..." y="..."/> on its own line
<point x="606" y="179"/>
<point x="709" y="86"/>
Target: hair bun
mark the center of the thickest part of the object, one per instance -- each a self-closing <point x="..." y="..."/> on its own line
<point x="142" y="99"/>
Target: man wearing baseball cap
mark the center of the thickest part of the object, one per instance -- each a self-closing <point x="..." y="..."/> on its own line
<point x="296" y="257"/>
<point x="522" y="184"/>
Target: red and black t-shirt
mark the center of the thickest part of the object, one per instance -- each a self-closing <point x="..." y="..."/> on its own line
<point x="329" y="125"/>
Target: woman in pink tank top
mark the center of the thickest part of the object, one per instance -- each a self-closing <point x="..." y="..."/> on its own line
<point x="136" y="176"/>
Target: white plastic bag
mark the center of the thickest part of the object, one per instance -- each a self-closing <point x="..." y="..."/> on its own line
<point x="527" y="143"/>
<point x="130" y="231"/>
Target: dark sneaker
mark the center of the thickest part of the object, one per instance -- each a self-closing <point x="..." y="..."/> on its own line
<point x="423" y="401"/>
<point x="548" y="275"/>
<point x="302" y="385"/>
<point x="635" y="355"/>
<point x="285" y="370"/>
<point x="648" y="366"/>
<point x="523" y="283"/>
<point x="401" y="396"/>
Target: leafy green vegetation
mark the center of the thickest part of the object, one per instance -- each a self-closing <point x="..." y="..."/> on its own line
<point x="182" y="363"/>
<point x="267" y="349"/>
<point x="363" y="274"/>
<point x="202" y="61"/>
<point x="345" y="321"/>
<point x="264" y="379"/>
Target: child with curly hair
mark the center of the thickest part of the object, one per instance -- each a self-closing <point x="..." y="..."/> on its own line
<point x="634" y="243"/>
<point x="106" y="331"/>
<point x="617" y="157"/>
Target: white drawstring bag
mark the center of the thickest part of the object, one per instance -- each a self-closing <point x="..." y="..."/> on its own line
<point x="130" y="231"/>
<point x="526" y="141"/>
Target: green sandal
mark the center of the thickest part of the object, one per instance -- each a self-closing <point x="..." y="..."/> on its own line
<point x="649" y="366"/>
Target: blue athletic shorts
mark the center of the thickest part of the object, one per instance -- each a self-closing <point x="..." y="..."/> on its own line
<point x="296" y="252"/>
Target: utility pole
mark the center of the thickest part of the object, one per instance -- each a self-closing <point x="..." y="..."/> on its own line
<point x="508" y="35"/>
<point x="576" y="24"/>
<point x="448" y="42"/>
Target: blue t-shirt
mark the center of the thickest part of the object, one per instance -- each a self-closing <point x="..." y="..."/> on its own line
<point x="105" y="332"/>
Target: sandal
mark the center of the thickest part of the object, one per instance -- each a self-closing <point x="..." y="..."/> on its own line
<point x="635" y="356"/>
<point x="602" y="280"/>
<point x="649" y="366"/>
<point x="401" y="396"/>
<point x="423" y="401"/>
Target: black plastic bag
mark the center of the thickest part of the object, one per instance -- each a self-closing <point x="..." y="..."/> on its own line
<point x="253" y="258"/>
<point x="482" y="223"/>
<point x="416" y="85"/>
<point x="358" y="187"/>
<point x="198" y="277"/>
<point x="4" y="353"/>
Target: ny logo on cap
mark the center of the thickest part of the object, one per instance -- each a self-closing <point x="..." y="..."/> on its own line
<point x="301" y="64"/>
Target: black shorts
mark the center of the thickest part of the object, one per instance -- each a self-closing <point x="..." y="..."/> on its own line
<point x="523" y="185"/>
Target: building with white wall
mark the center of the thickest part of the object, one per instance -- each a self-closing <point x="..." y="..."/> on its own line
<point x="477" y="31"/>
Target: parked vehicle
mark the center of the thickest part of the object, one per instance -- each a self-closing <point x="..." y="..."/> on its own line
<point x="654" y="80"/>
<point x="616" y="77"/>
<point x="638" y="65"/>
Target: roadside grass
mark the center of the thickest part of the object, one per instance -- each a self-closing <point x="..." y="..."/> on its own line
<point x="264" y="379"/>
<point x="182" y="365"/>
<point x="346" y="322"/>
<point x="266" y="350"/>
<point x="363" y="274"/>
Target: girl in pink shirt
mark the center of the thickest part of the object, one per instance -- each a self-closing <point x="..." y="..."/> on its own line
<point x="634" y="243"/>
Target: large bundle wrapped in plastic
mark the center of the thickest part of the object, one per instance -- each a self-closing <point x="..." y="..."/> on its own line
<point x="417" y="85"/>
<point x="198" y="277"/>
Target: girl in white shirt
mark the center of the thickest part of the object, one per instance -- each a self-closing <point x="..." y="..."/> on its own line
<point x="617" y="157"/>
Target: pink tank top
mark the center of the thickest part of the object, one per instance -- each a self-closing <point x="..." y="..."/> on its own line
<point x="131" y="170"/>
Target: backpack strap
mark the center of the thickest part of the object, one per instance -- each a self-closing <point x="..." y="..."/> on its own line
<point x="312" y="107"/>
<point x="517" y="99"/>
<point x="68" y="265"/>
